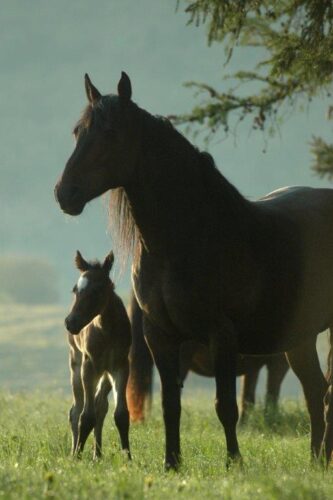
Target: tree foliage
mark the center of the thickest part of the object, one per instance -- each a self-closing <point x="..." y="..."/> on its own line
<point x="295" y="42"/>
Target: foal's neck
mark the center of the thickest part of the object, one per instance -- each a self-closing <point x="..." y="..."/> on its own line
<point x="106" y="315"/>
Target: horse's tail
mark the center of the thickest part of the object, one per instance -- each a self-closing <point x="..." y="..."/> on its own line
<point x="328" y="405"/>
<point x="140" y="383"/>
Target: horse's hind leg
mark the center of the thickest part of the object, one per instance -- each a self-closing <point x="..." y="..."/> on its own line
<point x="305" y="364"/>
<point x="140" y="383"/>
<point x="88" y="416"/>
<point x="277" y="367"/>
<point x="327" y="445"/>
<point x="121" y="414"/>
<point x="247" y="393"/>
<point x="101" y="409"/>
<point x="75" y="359"/>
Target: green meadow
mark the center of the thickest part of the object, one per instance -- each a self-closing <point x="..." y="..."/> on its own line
<point x="35" y="438"/>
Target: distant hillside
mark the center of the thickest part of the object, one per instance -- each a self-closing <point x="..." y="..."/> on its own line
<point x="34" y="354"/>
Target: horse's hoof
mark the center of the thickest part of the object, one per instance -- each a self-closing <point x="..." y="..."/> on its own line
<point x="234" y="460"/>
<point x="126" y="453"/>
<point x="171" y="465"/>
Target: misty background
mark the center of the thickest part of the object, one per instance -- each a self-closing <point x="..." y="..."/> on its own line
<point x="46" y="47"/>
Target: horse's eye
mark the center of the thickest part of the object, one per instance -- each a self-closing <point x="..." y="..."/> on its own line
<point x="74" y="289"/>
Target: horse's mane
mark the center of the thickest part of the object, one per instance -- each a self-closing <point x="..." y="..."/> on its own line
<point x="159" y="130"/>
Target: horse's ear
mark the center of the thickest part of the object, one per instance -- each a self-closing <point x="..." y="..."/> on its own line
<point x="108" y="262"/>
<point x="92" y="93"/>
<point x="80" y="262"/>
<point x="124" y="88"/>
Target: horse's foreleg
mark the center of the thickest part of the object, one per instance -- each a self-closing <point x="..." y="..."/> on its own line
<point x="166" y="357"/>
<point x="277" y="367"/>
<point x="101" y="409"/>
<point x="121" y="414"/>
<point x="247" y="393"/>
<point x="187" y="351"/>
<point x="88" y="416"/>
<point x="305" y="364"/>
<point x="75" y="359"/>
<point x="224" y="356"/>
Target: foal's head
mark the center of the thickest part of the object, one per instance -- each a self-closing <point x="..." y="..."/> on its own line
<point x="107" y="145"/>
<point x="91" y="292"/>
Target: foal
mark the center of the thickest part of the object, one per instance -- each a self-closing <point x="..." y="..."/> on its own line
<point x="99" y="338"/>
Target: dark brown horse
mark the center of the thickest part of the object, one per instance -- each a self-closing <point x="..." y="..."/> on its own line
<point x="209" y="265"/>
<point x="196" y="358"/>
<point x="99" y="338"/>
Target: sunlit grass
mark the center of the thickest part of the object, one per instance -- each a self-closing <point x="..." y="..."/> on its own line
<point x="35" y="461"/>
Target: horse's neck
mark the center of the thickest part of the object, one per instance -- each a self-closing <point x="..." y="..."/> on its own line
<point x="164" y="207"/>
<point x="174" y="208"/>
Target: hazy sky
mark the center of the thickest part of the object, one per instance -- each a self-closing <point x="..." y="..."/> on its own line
<point x="45" y="49"/>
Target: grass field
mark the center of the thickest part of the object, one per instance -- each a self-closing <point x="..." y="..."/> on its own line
<point x="35" y="462"/>
<point x="35" y="436"/>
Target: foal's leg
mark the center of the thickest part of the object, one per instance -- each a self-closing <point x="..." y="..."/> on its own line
<point x="75" y="359"/>
<point x="247" y="393"/>
<point x="101" y="409"/>
<point x="305" y="364"/>
<point x="121" y="414"/>
<point x="88" y="416"/>
<point x="277" y="367"/>
<point x="166" y="357"/>
<point x="327" y="445"/>
<point x="224" y="356"/>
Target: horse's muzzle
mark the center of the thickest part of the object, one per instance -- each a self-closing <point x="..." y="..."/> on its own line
<point x="69" y="199"/>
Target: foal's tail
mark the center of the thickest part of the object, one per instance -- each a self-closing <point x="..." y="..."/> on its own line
<point x="328" y="405"/>
<point x="140" y="383"/>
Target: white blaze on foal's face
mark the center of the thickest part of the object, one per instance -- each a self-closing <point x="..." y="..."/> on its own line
<point x="82" y="283"/>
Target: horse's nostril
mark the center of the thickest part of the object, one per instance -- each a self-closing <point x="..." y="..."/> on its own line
<point x="73" y="191"/>
<point x="66" y="193"/>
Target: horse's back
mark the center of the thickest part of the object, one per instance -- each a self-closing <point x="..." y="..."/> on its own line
<point x="310" y="210"/>
<point x="300" y="200"/>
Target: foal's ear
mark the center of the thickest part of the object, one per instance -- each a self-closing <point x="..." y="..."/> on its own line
<point x="92" y="93"/>
<point x="108" y="262"/>
<point x="124" y="88"/>
<point x="80" y="262"/>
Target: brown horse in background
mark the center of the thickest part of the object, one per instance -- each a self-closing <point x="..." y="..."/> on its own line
<point x="196" y="358"/>
<point x="210" y="266"/>
<point x="99" y="338"/>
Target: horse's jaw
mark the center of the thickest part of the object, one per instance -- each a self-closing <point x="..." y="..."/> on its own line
<point x="73" y="210"/>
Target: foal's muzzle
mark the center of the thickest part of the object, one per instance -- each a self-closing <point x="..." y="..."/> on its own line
<point x="72" y="325"/>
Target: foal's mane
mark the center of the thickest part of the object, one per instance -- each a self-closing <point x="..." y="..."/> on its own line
<point x="159" y="132"/>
